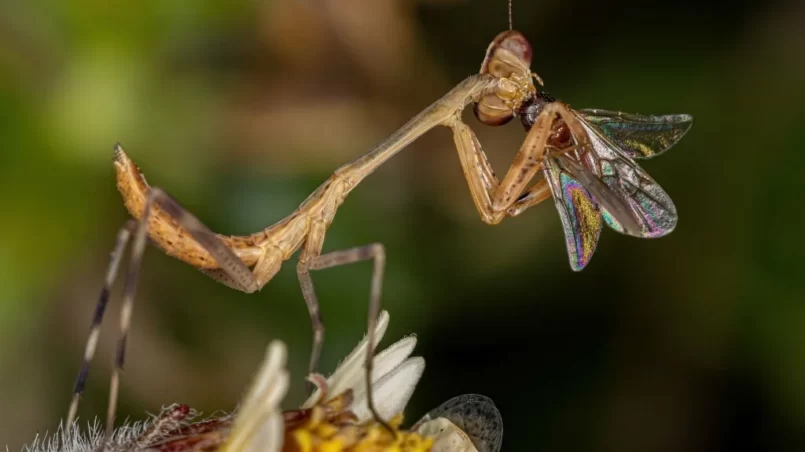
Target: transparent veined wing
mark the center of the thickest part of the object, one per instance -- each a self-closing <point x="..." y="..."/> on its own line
<point x="616" y="211"/>
<point x="651" y="213"/>
<point x="476" y="415"/>
<point x="637" y="136"/>
<point x="578" y="209"/>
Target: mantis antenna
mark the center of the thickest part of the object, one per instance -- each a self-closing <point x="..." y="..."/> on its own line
<point x="511" y="23"/>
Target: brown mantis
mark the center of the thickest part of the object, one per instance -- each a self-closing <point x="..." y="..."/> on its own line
<point x="586" y="158"/>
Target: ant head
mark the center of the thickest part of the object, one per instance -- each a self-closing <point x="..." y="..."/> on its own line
<point x="507" y="57"/>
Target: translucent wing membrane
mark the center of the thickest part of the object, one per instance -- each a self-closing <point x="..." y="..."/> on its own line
<point x="477" y="416"/>
<point x="634" y="204"/>
<point x="637" y="136"/>
<point x="611" y="204"/>
<point x="578" y="210"/>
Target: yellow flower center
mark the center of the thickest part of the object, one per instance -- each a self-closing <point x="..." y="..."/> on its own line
<point x="320" y="434"/>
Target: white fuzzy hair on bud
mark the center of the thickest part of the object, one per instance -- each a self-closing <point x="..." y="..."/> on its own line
<point x="72" y="439"/>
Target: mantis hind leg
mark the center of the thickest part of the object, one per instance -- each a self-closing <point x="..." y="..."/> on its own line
<point x="225" y="257"/>
<point x="230" y="265"/>
<point x="123" y="237"/>
<point x="312" y="260"/>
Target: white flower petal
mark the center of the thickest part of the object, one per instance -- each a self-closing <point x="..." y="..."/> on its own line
<point x="392" y="391"/>
<point x="389" y="359"/>
<point x="270" y="437"/>
<point x="352" y="366"/>
<point x="259" y="424"/>
<point x="394" y="376"/>
<point x="385" y="362"/>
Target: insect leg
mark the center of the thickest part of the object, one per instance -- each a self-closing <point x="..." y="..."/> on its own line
<point x="491" y="197"/>
<point x="311" y="259"/>
<point x="527" y="161"/>
<point x="480" y="177"/>
<point x="225" y="257"/>
<point x="377" y="253"/>
<point x="180" y="234"/>
<point x="129" y="290"/>
<point x="538" y="192"/>
<point x="100" y="308"/>
<point x="311" y="250"/>
<point x="240" y="276"/>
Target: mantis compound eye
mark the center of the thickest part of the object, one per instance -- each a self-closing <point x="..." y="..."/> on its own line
<point x="493" y="111"/>
<point x="508" y="56"/>
<point x="509" y="53"/>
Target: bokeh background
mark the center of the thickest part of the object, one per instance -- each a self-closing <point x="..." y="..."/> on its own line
<point x="693" y="342"/>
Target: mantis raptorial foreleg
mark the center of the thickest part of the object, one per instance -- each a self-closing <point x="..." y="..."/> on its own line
<point x="527" y="162"/>
<point x="538" y="192"/>
<point x="492" y="198"/>
<point x="481" y="179"/>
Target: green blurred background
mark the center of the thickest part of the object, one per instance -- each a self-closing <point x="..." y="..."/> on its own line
<point x="693" y="342"/>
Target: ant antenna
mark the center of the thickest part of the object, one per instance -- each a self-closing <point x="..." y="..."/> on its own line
<point x="510" y="15"/>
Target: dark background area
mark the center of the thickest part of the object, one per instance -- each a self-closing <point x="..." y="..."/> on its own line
<point x="692" y="342"/>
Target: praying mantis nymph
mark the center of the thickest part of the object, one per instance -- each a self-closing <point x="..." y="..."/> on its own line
<point x="584" y="159"/>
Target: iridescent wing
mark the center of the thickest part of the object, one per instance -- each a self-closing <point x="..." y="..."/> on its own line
<point x="637" y="136"/>
<point x="634" y="203"/>
<point x="578" y="209"/>
<point x="611" y="203"/>
<point x="474" y="414"/>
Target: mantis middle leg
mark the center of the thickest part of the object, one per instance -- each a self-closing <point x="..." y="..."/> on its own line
<point x="312" y="259"/>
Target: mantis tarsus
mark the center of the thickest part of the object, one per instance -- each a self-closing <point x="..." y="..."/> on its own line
<point x="586" y="158"/>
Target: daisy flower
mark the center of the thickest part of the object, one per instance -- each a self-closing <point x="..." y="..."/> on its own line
<point x="335" y="418"/>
